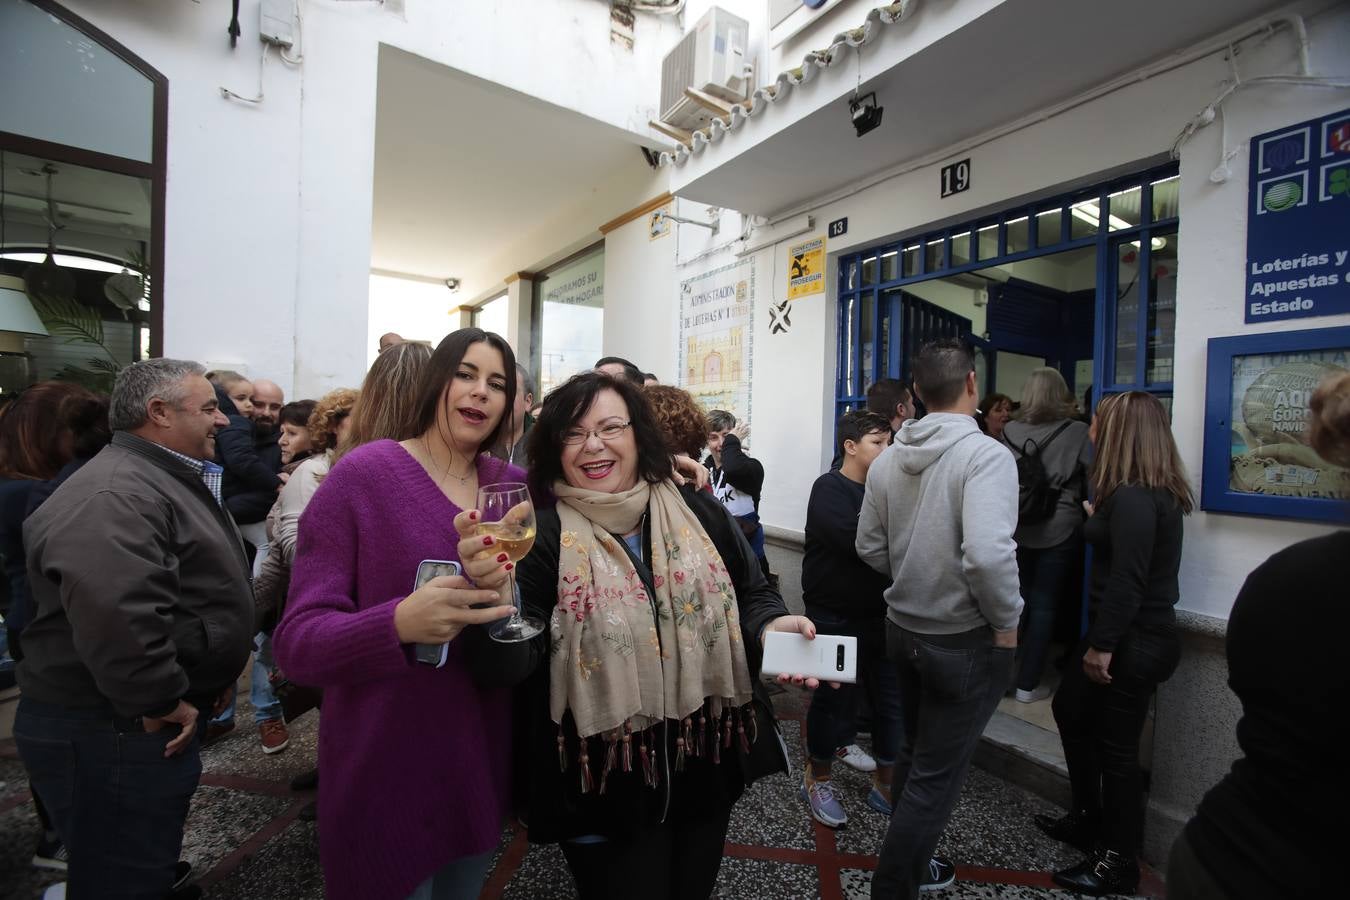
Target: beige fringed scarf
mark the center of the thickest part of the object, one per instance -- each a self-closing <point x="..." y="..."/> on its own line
<point x="617" y="667"/>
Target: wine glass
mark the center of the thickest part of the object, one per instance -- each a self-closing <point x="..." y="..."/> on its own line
<point x="506" y="513"/>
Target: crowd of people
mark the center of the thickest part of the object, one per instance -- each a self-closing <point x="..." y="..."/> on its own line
<point x="157" y="540"/>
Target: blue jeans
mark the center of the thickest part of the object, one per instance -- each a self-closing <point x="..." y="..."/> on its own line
<point x="950" y="685"/>
<point x="756" y="537"/>
<point x="458" y="880"/>
<point x="1044" y="575"/>
<point x="117" y="803"/>
<point x="266" y="706"/>
<point x="831" y="720"/>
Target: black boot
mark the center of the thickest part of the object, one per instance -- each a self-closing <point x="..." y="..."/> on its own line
<point x="1077" y="828"/>
<point x="1103" y="872"/>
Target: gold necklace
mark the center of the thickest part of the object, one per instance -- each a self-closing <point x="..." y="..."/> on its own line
<point x="462" y="479"/>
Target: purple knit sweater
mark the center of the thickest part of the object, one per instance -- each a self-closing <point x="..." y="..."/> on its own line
<point x="414" y="760"/>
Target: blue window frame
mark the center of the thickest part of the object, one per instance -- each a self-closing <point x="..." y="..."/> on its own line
<point x="1257" y="461"/>
<point x="1129" y="222"/>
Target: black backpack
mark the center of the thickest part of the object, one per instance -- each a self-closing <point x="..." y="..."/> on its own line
<point x="1036" y="499"/>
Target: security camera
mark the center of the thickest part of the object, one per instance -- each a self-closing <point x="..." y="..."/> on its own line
<point x="452" y="284"/>
<point x="865" y="113"/>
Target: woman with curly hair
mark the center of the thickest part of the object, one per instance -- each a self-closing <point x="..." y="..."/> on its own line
<point x="683" y="423"/>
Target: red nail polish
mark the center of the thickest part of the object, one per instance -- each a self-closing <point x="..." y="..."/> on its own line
<point x="487" y="541"/>
<point x="473" y="516"/>
<point x="502" y="557"/>
<point x="509" y="566"/>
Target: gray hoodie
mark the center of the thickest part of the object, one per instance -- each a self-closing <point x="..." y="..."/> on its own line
<point x="938" y="517"/>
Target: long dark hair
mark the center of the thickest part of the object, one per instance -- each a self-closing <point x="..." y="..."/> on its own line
<point x="563" y="408"/>
<point x="441" y="368"/>
<point x="37" y="431"/>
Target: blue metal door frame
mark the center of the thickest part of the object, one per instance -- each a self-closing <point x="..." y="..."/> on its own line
<point x="962" y="248"/>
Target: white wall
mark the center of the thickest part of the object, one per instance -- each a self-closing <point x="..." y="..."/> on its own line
<point x="269" y="206"/>
<point x="414" y="310"/>
<point x="642" y="298"/>
<point x="1131" y="128"/>
<point x="231" y="208"/>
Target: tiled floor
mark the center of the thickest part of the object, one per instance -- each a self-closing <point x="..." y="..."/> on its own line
<point x="245" y="841"/>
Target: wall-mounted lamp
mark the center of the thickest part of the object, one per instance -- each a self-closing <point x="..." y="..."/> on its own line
<point x="865" y="113"/>
<point x="17" y="319"/>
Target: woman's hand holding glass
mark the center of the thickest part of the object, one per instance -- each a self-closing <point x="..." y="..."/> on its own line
<point x="485" y="562"/>
<point x="807" y="629"/>
<point x="439" y="610"/>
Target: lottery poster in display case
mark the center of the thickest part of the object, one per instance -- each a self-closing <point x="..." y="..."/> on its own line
<point x="1258" y="457"/>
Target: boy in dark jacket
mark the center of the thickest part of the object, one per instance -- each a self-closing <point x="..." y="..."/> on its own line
<point x="844" y="595"/>
<point x="737" y="479"/>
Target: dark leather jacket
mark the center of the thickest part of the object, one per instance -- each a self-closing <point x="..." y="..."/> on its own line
<point x="141" y="587"/>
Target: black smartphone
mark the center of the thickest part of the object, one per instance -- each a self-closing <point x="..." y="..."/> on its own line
<point x="427" y="569"/>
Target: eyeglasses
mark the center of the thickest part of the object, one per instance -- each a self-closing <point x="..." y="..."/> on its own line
<point x="610" y="431"/>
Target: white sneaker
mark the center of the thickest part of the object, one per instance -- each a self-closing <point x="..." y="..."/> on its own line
<point x="856" y="757"/>
<point x="55" y="892"/>
<point x="1040" y="692"/>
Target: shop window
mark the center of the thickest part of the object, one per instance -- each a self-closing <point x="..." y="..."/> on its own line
<point x="1049" y="227"/>
<point x="569" y="305"/>
<point x="492" y="316"/>
<point x="82" y="183"/>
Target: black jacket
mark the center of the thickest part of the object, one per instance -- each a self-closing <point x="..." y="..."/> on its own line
<point x="557" y="808"/>
<point x="251" y="462"/>
<point x="1136" y="554"/>
<point x="1272" y="827"/>
<point x="18" y="501"/>
<point x="141" y="588"/>
<point x="834" y="579"/>
<point x="738" y="470"/>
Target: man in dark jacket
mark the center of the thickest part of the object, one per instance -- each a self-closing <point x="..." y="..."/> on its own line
<point x="252" y="459"/>
<point x="142" y="623"/>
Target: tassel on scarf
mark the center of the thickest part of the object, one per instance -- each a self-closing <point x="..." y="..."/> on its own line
<point x="587" y="780"/>
<point x="740" y="730"/>
<point x="713" y="739"/>
<point x="687" y="733"/>
<point x="726" y="729"/>
<point x="648" y="769"/>
<point x="679" y="754"/>
<point x="611" y="754"/>
<point x="754" y="723"/>
<point x="628" y="746"/>
<point x="562" y="751"/>
<point x="700" y="731"/>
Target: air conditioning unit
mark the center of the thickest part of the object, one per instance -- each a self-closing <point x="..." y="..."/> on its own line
<point x="713" y="58"/>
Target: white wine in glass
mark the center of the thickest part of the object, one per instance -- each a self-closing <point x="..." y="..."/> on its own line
<point x="506" y="513"/>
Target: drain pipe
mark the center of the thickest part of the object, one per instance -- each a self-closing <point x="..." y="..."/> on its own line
<point x="1300" y="30"/>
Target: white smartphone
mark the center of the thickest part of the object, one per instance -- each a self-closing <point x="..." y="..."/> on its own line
<point x="830" y="657"/>
<point x="427" y="569"/>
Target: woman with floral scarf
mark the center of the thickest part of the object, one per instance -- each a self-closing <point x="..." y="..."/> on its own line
<point x="641" y="715"/>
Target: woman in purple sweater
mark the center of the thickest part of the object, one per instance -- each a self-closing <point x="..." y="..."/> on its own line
<point x="416" y="757"/>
